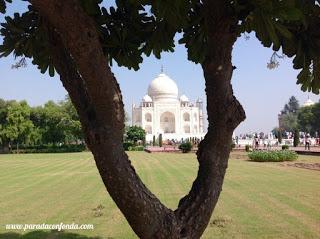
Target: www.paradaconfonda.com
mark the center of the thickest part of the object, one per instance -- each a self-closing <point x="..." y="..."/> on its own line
<point x="44" y="226"/>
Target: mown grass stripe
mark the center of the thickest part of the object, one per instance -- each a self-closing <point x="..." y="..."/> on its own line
<point x="259" y="200"/>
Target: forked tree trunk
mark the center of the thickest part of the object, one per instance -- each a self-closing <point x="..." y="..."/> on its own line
<point x="83" y="69"/>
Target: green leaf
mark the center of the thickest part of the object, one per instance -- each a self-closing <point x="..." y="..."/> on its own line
<point x="51" y="70"/>
<point x="290" y="14"/>
<point x="272" y="33"/>
<point x="283" y="30"/>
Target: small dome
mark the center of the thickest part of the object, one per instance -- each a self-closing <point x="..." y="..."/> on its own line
<point x="184" y="98"/>
<point x="308" y="103"/>
<point x="163" y="88"/>
<point x="146" y="98"/>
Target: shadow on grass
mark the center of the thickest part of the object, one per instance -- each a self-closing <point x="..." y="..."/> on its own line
<point x="46" y="235"/>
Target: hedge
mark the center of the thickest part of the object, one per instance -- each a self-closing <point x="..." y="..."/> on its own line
<point x="185" y="147"/>
<point x="273" y="156"/>
<point x="49" y="149"/>
<point x="135" y="148"/>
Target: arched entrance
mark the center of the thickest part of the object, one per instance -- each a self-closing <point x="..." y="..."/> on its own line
<point x="148" y="117"/>
<point x="148" y="129"/>
<point x="167" y="123"/>
<point x="187" y="129"/>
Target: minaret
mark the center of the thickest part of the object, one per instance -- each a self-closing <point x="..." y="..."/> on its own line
<point x="199" y="105"/>
<point x="132" y="112"/>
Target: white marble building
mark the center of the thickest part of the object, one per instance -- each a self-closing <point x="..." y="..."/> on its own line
<point x="162" y="111"/>
<point x="308" y="103"/>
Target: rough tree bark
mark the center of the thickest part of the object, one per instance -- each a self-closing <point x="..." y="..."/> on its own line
<point x="84" y="72"/>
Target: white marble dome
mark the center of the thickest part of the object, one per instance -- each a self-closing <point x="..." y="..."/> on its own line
<point x="184" y="98"/>
<point x="163" y="88"/>
<point x="146" y="98"/>
<point x="308" y="103"/>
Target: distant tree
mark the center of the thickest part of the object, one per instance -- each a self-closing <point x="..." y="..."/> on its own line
<point x="154" y="140"/>
<point x="53" y="124"/>
<point x="18" y="127"/>
<point x="306" y="119"/>
<point x="71" y="123"/>
<point x="160" y="140"/>
<point x="135" y="133"/>
<point x="3" y="111"/>
<point x="293" y="105"/>
<point x="57" y="122"/>
<point x="296" y="138"/>
<point x="316" y="117"/>
<point x="289" y="122"/>
<point x="279" y="136"/>
<point x="4" y="105"/>
<point x="285" y="109"/>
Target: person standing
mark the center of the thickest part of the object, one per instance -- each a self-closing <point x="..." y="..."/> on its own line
<point x="307" y="142"/>
<point x="256" y="141"/>
<point x="237" y="141"/>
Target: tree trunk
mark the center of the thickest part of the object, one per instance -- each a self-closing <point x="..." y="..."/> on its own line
<point x="84" y="72"/>
<point x="224" y="115"/>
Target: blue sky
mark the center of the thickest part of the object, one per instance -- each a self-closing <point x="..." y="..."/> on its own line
<point x="261" y="91"/>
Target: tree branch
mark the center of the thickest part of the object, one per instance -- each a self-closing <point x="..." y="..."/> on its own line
<point x="224" y="115"/>
<point x="94" y="91"/>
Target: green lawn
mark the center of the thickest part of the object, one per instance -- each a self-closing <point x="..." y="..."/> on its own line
<point x="259" y="200"/>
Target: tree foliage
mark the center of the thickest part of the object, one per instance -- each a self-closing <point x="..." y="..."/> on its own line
<point x="316" y="116"/>
<point x="49" y="124"/>
<point x="3" y="5"/>
<point x="289" y="114"/>
<point x="288" y="117"/>
<point x="17" y="127"/>
<point x="290" y="25"/>
<point x="135" y="133"/>
<point x="308" y="119"/>
<point x="133" y="28"/>
<point x="289" y="122"/>
<point x="296" y="138"/>
<point x="292" y="106"/>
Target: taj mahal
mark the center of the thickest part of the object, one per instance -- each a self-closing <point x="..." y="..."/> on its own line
<point x="162" y="111"/>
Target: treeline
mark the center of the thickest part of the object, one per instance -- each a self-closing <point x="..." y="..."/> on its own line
<point x="52" y="127"/>
<point x="306" y="119"/>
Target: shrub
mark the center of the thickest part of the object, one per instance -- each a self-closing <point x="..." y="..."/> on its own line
<point x="135" y="134"/>
<point x="233" y="145"/>
<point x="50" y="149"/>
<point x="285" y="147"/>
<point x="273" y="156"/>
<point x="248" y="148"/>
<point x="135" y="148"/>
<point x="127" y="144"/>
<point x="185" y="147"/>
<point x="160" y="140"/>
<point x="154" y="140"/>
